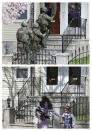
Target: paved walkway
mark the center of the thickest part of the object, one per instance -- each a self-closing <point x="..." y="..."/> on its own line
<point x="79" y="125"/>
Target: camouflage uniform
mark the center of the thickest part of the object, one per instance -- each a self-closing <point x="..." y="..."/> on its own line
<point x="24" y="35"/>
<point x="35" y="41"/>
<point x="37" y="36"/>
<point x="44" y="21"/>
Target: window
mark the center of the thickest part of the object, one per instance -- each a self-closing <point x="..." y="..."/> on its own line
<point x="74" y="75"/>
<point x="22" y="74"/>
<point x="52" y="75"/>
<point x="24" y="16"/>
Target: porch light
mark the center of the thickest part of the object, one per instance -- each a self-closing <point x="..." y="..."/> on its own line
<point x="6" y="46"/>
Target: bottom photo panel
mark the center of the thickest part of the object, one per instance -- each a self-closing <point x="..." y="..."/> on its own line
<point x="45" y="97"/>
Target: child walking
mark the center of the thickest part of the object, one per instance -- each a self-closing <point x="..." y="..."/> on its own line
<point x="68" y="118"/>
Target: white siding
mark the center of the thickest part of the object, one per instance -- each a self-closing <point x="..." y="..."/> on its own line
<point x="9" y="31"/>
<point x="5" y="86"/>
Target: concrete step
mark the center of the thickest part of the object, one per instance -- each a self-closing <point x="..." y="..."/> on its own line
<point x="54" y="39"/>
<point x="54" y="46"/>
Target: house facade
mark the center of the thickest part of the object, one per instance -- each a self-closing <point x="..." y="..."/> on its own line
<point x="58" y="26"/>
<point x="64" y="86"/>
<point x="24" y="85"/>
<point x="53" y="79"/>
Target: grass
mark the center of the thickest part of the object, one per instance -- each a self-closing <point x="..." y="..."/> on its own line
<point x="82" y="60"/>
<point x="82" y="118"/>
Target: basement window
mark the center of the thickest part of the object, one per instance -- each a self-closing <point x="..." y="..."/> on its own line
<point x="52" y="75"/>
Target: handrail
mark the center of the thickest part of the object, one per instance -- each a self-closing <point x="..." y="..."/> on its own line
<point x="68" y="83"/>
<point x="78" y="55"/>
<point x="24" y="87"/>
<point x="78" y="33"/>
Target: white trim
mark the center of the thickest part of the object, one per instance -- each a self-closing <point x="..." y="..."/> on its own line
<point x="63" y="17"/>
<point x="22" y="79"/>
<point x="35" y="11"/>
<point x="84" y="10"/>
<point x="28" y="16"/>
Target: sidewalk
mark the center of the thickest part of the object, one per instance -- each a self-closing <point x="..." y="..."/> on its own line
<point x="79" y="125"/>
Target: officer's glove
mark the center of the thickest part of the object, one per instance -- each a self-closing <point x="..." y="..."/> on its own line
<point x="44" y="35"/>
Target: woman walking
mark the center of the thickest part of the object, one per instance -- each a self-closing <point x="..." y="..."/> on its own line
<point x="42" y="112"/>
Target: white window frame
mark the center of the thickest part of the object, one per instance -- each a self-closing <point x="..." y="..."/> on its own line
<point x="21" y="79"/>
<point x="28" y="15"/>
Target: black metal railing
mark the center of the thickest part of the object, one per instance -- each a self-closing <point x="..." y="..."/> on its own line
<point x="31" y="87"/>
<point x="79" y="106"/>
<point x="43" y="56"/>
<point x="80" y="56"/>
<point x="26" y="113"/>
<point x="77" y="100"/>
<point x="69" y="91"/>
<point x="80" y="109"/>
<point x="73" y="33"/>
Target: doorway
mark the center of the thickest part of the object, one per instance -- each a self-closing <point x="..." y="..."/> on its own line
<point x="74" y="14"/>
<point x="55" y="24"/>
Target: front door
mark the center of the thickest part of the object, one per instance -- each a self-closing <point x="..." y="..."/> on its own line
<point x="55" y="24"/>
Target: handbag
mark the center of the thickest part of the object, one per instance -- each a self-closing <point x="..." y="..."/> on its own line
<point x="35" y="120"/>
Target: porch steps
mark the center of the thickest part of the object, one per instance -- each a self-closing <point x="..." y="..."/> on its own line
<point x="54" y="44"/>
<point x="57" y="100"/>
<point x="76" y="44"/>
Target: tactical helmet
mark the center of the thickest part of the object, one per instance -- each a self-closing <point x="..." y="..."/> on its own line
<point x="35" y="25"/>
<point x="24" y="24"/>
<point x="44" y="9"/>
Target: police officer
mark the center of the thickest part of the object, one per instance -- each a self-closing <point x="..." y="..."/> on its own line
<point x="37" y="36"/>
<point x="24" y="35"/>
<point x="44" y="21"/>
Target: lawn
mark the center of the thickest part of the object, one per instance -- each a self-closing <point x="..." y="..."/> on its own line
<point x="84" y="60"/>
<point x="82" y="118"/>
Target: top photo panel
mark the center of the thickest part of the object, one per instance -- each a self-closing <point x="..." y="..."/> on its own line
<point x="45" y="33"/>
